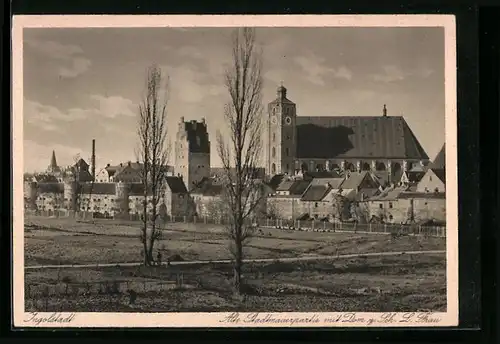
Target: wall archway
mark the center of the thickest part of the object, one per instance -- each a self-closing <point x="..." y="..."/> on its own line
<point x="303" y="167"/>
<point x="334" y="167"/>
<point x="396" y="172"/>
<point x="350" y="167"/>
<point x="381" y="166"/>
<point x="273" y="152"/>
<point x="366" y="167"/>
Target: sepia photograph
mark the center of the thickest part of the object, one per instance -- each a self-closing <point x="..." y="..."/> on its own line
<point x="248" y="171"/>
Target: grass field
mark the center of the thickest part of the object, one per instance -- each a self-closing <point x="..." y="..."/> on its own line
<point x="65" y="241"/>
<point x="391" y="283"/>
<point x="372" y="284"/>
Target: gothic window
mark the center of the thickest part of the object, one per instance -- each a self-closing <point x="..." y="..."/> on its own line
<point x="381" y="206"/>
<point x="287" y="151"/>
<point x="274" y="137"/>
<point x="273" y="168"/>
<point x="287" y="167"/>
<point x="273" y="152"/>
<point x="390" y="204"/>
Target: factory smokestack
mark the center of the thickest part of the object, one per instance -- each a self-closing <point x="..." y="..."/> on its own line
<point x="93" y="159"/>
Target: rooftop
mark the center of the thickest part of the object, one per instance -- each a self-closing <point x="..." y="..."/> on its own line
<point x="357" y="137"/>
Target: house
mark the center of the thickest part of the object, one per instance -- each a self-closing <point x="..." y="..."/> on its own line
<point x="385" y="207"/>
<point x="314" y="199"/>
<point x="207" y="199"/>
<point x="286" y="203"/>
<point x="358" y="186"/>
<point x="176" y="198"/>
<point x="434" y="180"/>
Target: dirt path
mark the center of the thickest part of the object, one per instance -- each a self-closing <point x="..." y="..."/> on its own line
<point x="226" y="261"/>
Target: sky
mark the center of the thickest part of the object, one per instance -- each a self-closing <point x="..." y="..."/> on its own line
<point x="84" y="84"/>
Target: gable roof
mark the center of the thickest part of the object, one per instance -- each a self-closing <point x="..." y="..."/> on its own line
<point x="440" y="173"/>
<point x="276" y="181"/>
<point x="357" y="137"/>
<point x="299" y="187"/>
<point x="316" y="192"/>
<point x="285" y="185"/>
<point x="355" y="179"/>
<point x="334" y="182"/>
<point x="389" y="194"/>
<point x="207" y="187"/>
<point x="176" y="184"/>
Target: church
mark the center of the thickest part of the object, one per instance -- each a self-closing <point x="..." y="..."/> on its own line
<point x="382" y="144"/>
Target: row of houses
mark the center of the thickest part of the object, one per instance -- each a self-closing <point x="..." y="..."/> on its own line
<point x="361" y="196"/>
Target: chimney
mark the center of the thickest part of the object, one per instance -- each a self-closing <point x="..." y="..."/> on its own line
<point x="121" y="164"/>
<point x="107" y="165"/>
<point x="93" y="159"/>
<point x="384" y="111"/>
<point x="129" y="163"/>
<point x="203" y="121"/>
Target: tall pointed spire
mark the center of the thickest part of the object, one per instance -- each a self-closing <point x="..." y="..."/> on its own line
<point x="53" y="162"/>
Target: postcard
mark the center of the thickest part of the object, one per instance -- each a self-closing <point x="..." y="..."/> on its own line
<point x="235" y="171"/>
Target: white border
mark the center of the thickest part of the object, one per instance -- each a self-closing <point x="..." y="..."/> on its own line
<point x="449" y="318"/>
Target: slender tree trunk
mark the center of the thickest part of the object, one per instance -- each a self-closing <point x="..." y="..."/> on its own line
<point x="238" y="264"/>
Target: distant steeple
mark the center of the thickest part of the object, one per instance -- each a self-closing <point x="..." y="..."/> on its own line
<point x="384" y="111"/>
<point x="53" y="163"/>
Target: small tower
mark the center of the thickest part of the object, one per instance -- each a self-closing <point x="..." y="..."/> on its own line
<point x="70" y="195"/>
<point x="192" y="152"/>
<point x="281" y="134"/>
<point x="122" y="197"/>
<point x="384" y="111"/>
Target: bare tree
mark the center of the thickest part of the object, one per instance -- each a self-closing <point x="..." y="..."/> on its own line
<point x="152" y="153"/>
<point x="241" y="152"/>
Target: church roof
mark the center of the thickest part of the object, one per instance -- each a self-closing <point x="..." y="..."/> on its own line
<point x="440" y="159"/>
<point x="357" y="137"/>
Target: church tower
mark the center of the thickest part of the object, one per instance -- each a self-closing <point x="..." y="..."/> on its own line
<point x="53" y="168"/>
<point x="281" y="123"/>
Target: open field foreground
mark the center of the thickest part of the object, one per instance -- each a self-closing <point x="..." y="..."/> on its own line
<point x="65" y="241"/>
<point x="371" y="284"/>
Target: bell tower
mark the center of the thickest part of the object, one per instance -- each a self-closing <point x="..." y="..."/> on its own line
<point x="281" y="148"/>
